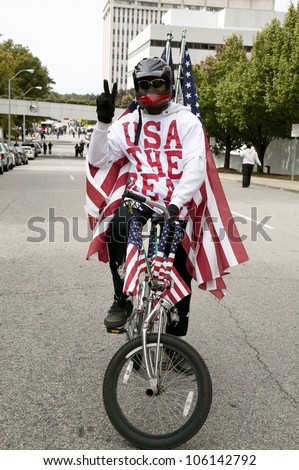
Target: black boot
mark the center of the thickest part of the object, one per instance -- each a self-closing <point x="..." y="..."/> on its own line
<point x="119" y="312"/>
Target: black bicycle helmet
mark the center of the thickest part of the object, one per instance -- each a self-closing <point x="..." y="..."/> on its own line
<point x="152" y="68"/>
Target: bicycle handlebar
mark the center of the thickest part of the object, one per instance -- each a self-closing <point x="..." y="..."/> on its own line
<point x="146" y="200"/>
<point x="135" y="196"/>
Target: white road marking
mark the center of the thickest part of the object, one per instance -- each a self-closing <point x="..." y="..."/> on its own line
<point x="251" y="220"/>
<point x="72" y="178"/>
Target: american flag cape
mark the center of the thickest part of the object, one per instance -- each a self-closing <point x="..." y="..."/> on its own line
<point x="211" y="240"/>
<point x="104" y="190"/>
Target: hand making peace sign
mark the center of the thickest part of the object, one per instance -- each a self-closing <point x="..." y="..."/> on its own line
<point x="106" y="103"/>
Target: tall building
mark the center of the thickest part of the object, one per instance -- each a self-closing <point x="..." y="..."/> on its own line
<point x="123" y="20"/>
<point x="205" y="32"/>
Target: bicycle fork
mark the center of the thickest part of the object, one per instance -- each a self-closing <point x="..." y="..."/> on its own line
<point x="153" y="370"/>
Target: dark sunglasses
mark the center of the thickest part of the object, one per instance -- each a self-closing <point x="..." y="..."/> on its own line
<point x="146" y="84"/>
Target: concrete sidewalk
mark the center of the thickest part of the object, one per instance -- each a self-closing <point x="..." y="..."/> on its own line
<point x="265" y="181"/>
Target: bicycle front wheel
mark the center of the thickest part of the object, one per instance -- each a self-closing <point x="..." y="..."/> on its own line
<point x="170" y="417"/>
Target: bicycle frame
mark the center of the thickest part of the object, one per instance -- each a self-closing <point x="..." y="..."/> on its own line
<point x="163" y="376"/>
<point x="163" y="307"/>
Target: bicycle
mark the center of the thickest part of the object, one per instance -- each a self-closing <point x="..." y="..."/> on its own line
<point x="157" y="390"/>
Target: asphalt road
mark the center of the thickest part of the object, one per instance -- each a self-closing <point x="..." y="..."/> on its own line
<point x="54" y="348"/>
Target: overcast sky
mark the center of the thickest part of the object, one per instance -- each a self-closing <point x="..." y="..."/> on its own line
<point x="66" y="35"/>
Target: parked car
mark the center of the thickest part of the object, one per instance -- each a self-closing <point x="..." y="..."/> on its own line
<point x="29" y="151"/>
<point x="17" y="156"/>
<point x="4" y="157"/>
<point x="10" y="158"/>
<point x="1" y="166"/>
<point x="36" y="147"/>
<point x="38" y="143"/>
<point x="23" y="155"/>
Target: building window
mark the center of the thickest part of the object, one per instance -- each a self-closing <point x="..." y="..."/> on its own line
<point x="148" y="4"/>
<point x="193" y="7"/>
<point x="192" y="45"/>
<point x="214" y="9"/>
<point x="169" y="5"/>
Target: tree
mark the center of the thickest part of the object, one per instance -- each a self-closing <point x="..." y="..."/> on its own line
<point x="258" y="122"/>
<point x="256" y="99"/>
<point x="125" y="97"/>
<point x="285" y="97"/>
<point x="13" y="58"/>
<point x="215" y="80"/>
<point x="268" y="88"/>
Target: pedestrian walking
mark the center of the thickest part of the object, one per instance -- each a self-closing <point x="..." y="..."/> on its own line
<point x="81" y="148"/>
<point x="250" y="157"/>
<point x="45" y="147"/>
<point x="50" y="145"/>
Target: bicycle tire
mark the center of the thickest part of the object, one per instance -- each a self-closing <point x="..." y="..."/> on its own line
<point x="176" y="413"/>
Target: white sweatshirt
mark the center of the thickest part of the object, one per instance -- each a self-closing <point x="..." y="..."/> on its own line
<point x="250" y="156"/>
<point x="169" y="163"/>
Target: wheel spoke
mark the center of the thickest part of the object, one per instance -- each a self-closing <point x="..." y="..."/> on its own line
<point x="173" y="414"/>
<point x="163" y="413"/>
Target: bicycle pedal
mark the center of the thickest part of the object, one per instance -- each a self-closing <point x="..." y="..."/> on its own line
<point x="116" y="331"/>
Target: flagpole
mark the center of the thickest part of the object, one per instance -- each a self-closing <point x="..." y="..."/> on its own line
<point x="183" y="44"/>
<point x="167" y="47"/>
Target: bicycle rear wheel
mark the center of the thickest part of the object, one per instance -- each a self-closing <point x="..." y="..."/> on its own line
<point x="180" y="408"/>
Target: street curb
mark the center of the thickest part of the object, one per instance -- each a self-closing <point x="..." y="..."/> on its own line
<point x="263" y="184"/>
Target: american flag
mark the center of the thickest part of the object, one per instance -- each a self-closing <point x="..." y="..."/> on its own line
<point x="178" y="289"/>
<point x="135" y="259"/>
<point x="188" y="85"/>
<point x="158" y="260"/>
<point x="104" y="190"/>
<point x="163" y="269"/>
<point x="170" y="63"/>
<point x="211" y="239"/>
<point x="161" y="263"/>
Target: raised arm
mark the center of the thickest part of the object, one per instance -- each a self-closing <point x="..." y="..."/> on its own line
<point x="98" y="154"/>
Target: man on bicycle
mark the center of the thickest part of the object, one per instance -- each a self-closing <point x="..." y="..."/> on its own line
<point x="164" y="143"/>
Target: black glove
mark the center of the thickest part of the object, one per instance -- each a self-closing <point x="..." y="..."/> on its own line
<point x="173" y="211"/>
<point x="106" y="103"/>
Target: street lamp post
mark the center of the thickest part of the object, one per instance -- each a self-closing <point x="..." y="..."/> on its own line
<point x="9" y="108"/>
<point x="24" y="119"/>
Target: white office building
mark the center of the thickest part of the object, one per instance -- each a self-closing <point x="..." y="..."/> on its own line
<point x="124" y="20"/>
<point x="205" y="30"/>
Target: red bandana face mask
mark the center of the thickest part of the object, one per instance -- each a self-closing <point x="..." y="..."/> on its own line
<point x="153" y="99"/>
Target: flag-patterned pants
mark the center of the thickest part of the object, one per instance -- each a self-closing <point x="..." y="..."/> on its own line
<point x="117" y="245"/>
